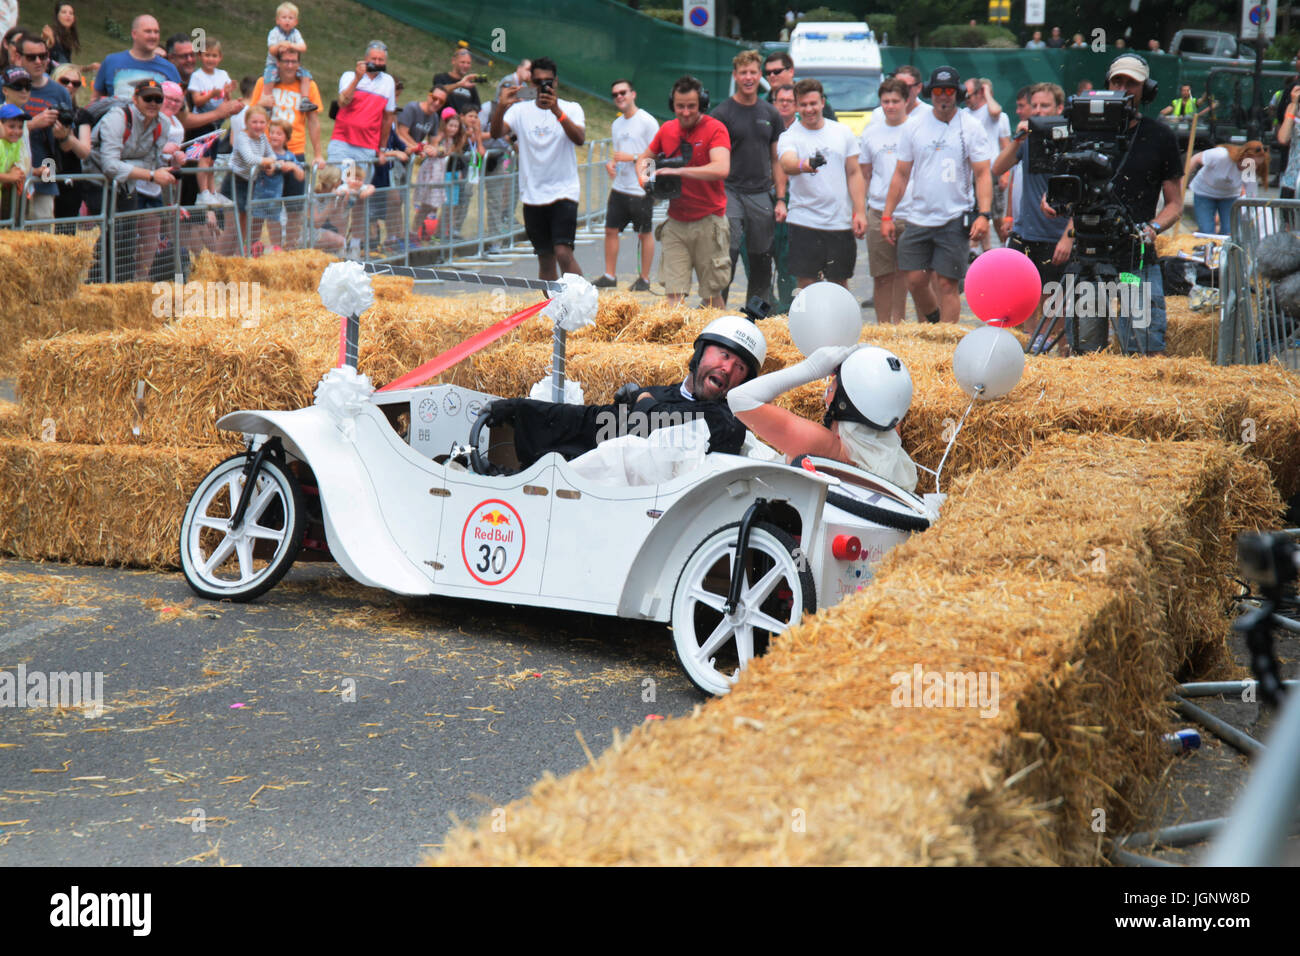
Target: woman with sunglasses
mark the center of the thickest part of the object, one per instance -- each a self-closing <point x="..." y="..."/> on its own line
<point x="74" y="145"/>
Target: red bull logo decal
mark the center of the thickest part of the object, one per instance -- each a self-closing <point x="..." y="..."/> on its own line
<point x="492" y="542"/>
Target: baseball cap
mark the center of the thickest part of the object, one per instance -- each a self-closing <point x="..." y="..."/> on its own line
<point x="1133" y="66"/>
<point x="945" y="76"/>
<point x="15" y="74"/>
<point x="9" y="111"/>
<point x="147" y="84"/>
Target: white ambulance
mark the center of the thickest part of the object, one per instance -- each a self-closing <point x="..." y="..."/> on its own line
<point x="845" y="57"/>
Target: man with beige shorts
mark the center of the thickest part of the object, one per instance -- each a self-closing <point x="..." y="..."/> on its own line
<point x="695" y="236"/>
<point x="877" y="154"/>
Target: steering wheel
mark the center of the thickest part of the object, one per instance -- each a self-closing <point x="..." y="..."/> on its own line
<point x="476" y="462"/>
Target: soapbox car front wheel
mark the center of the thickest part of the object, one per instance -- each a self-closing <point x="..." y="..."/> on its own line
<point x="240" y="565"/>
<point x="714" y="646"/>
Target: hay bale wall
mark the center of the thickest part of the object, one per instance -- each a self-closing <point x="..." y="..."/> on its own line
<point x="97" y="504"/>
<point x="810" y="761"/>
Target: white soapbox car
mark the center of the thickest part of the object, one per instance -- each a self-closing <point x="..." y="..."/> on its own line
<point x="392" y="485"/>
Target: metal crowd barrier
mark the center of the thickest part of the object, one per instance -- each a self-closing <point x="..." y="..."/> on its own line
<point x="478" y="217"/>
<point x="1253" y="329"/>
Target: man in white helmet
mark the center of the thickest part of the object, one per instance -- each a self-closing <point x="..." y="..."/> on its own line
<point x="729" y="351"/>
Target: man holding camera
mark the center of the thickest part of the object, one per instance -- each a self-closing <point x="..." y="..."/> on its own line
<point x="548" y="130"/>
<point x="1151" y="168"/>
<point x="945" y="149"/>
<point x="828" y="196"/>
<point x="695" y="236"/>
<point x="367" y="105"/>
<point x="49" y="101"/>
<point x="460" y="82"/>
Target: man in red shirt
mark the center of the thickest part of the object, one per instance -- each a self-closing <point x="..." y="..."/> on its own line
<point x="695" y="236"/>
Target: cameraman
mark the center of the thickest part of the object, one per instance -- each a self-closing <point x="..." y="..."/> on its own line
<point x="548" y="130"/>
<point x="1150" y="169"/>
<point x="696" y="235"/>
<point x="367" y="105"/>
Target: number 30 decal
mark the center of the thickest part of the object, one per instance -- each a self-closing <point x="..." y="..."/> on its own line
<point x="492" y="542"/>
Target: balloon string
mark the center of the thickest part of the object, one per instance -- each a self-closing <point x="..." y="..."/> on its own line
<point x="953" y="440"/>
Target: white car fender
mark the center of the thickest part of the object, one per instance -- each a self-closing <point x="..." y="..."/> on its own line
<point x="354" y="523"/>
<point x="691" y="515"/>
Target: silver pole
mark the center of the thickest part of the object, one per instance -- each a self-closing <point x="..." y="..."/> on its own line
<point x="1263" y="813"/>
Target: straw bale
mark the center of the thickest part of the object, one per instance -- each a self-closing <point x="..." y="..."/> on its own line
<point x="87" y="384"/>
<point x="1254" y="406"/>
<point x="1189" y="333"/>
<point x="12" y="422"/>
<point x="299" y="270"/>
<point x="41" y="267"/>
<point x="1169" y="244"/>
<point x="813" y="734"/>
<point x="91" y="309"/>
<point x="97" y="504"/>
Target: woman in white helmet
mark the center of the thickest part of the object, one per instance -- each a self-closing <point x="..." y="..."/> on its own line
<point x="868" y="395"/>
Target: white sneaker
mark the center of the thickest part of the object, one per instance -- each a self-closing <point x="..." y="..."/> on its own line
<point x="207" y="198"/>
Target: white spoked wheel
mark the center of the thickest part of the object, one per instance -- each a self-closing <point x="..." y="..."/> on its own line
<point x="239" y="565"/>
<point x="714" y="646"/>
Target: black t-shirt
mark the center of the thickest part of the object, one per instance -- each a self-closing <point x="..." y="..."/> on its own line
<point x="726" y="434"/>
<point x="753" y="130"/>
<point x="462" y="98"/>
<point x="1151" y="160"/>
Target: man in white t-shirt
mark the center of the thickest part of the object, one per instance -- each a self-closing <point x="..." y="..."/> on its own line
<point x="828" y="196"/>
<point x="997" y="128"/>
<point x="628" y="202"/>
<point x="548" y="131"/>
<point x="912" y="77"/>
<point x="877" y="156"/>
<point x="944" y="150"/>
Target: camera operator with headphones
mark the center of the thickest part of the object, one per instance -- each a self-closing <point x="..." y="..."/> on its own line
<point x="696" y="235"/>
<point x="1151" y="168"/>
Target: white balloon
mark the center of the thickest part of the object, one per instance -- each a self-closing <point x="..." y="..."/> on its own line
<point x="825" y="313"/>
<point x="988" y="357"/>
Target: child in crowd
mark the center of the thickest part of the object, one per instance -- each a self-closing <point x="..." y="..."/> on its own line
<point x="15" y="156"/>
<point x="285" y="36"/>
<point x="270" y="186"/>
<point x="208" y="88"/>
<point x="354" y="187"/>
<point x="328" y="207"/>
<point x="435" y="189"/>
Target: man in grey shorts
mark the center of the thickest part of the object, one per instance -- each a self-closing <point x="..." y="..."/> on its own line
<point x="947" y="148"/>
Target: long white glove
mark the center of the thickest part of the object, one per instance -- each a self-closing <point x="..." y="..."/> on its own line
<point x="769" y="387"/>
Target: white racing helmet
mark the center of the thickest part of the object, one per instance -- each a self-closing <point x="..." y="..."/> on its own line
<point x="737" y="333"/>
<point x="873" y="387"/>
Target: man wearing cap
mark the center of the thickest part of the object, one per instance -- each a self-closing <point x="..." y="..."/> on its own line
<point x="945" y="149"/>
<point x="1152" y="168"/>
<point x="126" y="146"/>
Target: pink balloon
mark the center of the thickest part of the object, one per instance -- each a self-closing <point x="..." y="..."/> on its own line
<point x="1003" y="287"/>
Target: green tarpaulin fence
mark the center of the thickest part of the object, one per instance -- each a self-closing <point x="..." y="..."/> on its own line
<point x="597" y="41"/>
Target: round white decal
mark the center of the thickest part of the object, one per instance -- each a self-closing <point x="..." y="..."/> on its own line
<point x="492" y="542"/>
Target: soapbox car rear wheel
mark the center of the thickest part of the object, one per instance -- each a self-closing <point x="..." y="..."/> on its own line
<point x="714" y="646"/>
<point x="240" y="565"/>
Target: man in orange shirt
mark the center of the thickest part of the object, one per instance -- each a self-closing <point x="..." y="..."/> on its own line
<point x="281" y="102"/>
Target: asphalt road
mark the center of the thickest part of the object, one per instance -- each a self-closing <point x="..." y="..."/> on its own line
<point x="326" y="723"/>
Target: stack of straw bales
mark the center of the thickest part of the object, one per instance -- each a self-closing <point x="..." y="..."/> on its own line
<point x="1084" y="610"/>
<point x="41" y="294"/>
